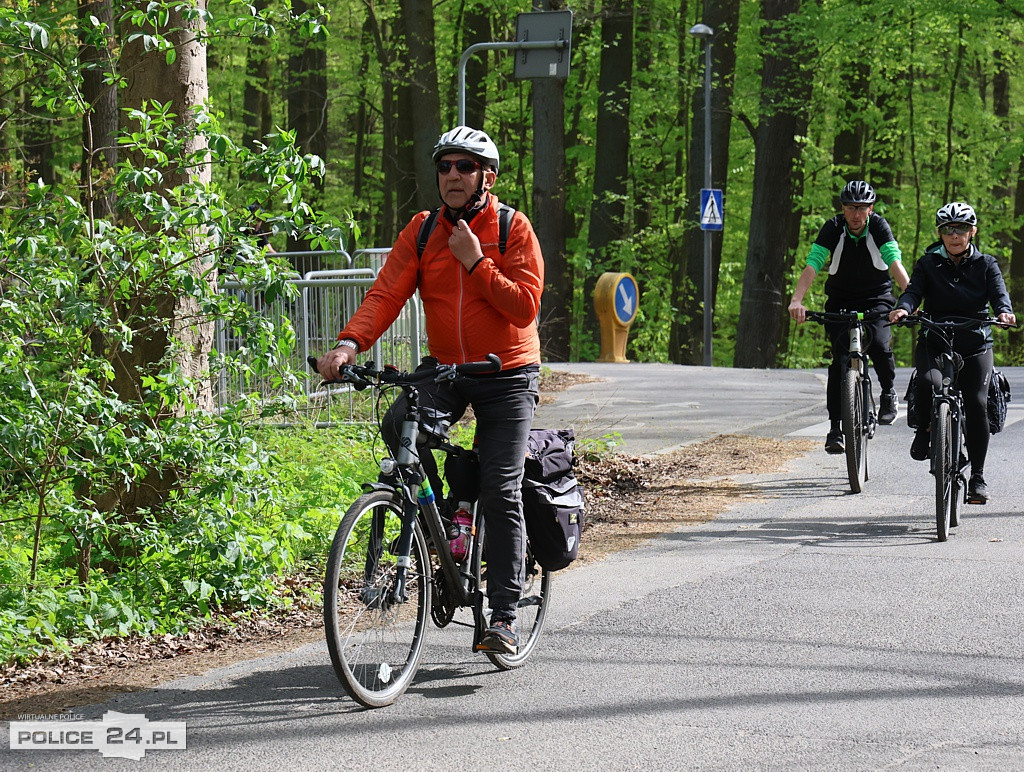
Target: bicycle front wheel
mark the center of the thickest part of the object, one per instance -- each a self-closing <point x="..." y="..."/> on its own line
<point x="853" y="429"/>
<point x="530" y="612"/>
<point x="375" y="634"/>
<point x="943" y="467"/>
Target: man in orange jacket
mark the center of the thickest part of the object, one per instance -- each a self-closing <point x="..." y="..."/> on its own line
<point x="481" y="294"/>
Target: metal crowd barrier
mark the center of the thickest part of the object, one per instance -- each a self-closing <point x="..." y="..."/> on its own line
<point x="326" y="298"/>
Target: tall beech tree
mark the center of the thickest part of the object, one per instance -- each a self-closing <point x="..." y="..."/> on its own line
<point x="785" y="94"/>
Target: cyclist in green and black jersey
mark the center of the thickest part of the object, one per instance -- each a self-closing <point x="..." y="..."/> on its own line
<point x="863" y="258"/>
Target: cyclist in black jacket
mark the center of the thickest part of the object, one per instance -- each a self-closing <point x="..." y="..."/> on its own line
<point x="955" y="279"/>
<point x="861" y="253"/>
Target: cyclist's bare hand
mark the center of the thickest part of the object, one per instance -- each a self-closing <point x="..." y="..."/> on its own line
<point x="329" y="365"/>
<point x="465" y="245"/>
<point x="797" y="311"/>
<point x="1007" y="318"/>
<point x="896" y="314"/>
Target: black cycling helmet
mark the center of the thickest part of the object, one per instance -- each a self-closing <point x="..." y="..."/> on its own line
<point x="463" y="139"/>
<point x="857" y="192"/>
<point x="956" y="212"/>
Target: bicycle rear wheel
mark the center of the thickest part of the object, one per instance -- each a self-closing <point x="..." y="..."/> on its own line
<point x="853" y="429"/>
<point x="375" y="641"/>
<point x="943" y="467"/>
<point x="531" y="611"/>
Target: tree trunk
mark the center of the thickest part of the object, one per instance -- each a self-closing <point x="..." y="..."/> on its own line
<point x="307" y="112"/>
<point x="424" y="103"/>
<point x="686" y="336"/>
<point x="99" y="123"/>
<point x="611" y="173"/>
<point x="476" y="29"/>
<point x="184" y="85"/>
<point x="785" y="94"/>
<point x="549" y="209"/>
<point x="256" y="113"/>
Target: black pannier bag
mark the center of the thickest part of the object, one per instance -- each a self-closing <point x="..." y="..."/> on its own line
<point x="911" y="399"/>
<point x="552" y="498"/>
<point x="998" y="396"/>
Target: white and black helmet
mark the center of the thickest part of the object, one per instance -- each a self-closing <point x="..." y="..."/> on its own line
<point x="463" y="139"/>
<point x="956" y="212"/>
<point x="857" y="192"/>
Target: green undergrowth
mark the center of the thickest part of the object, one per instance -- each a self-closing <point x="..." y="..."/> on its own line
<point x="219" y="548"/>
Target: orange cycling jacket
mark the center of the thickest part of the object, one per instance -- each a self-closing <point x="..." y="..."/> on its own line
<point x="491" y="309"/>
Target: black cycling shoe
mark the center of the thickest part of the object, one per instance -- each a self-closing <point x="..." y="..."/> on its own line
<point x="834" y="442"/>
<point x="921" y="445"/>
<point x="977" y="491"/>
<point x="889" y="408"/>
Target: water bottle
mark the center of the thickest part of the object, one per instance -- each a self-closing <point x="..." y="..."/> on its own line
<point x="463" y="521"/>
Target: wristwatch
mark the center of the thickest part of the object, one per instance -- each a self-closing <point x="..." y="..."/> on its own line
<point x="348" y="344"/>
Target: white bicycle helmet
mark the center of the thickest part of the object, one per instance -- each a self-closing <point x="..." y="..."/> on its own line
<point x="956" y="212"/>
<point x="463" y="139"/>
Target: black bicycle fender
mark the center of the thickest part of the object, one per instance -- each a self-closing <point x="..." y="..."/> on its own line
<point x="370" y="487"/>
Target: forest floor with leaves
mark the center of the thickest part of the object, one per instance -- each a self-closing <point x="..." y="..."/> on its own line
<point x="629" y="499"/>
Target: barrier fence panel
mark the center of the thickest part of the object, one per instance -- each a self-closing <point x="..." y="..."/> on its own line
<point x="326" y="298"/>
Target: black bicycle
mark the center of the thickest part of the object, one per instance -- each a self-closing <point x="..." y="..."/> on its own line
<point x="949" y="456"/>
<point x="391" y="566"/>
<point x="859" y="419"/>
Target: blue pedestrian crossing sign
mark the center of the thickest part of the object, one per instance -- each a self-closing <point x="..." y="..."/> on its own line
<point x="711" y="214"/>
<point x="626" y="296"/>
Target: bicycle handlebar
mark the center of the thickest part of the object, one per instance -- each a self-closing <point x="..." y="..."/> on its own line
<point x="845" y="316"/>
<point x="954" y="322"/>
<point x="361" y="376"/>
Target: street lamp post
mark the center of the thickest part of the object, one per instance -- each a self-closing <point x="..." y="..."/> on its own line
<point x="705" y="32"/>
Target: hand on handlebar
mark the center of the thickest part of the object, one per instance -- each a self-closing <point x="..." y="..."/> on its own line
<point x="896" y="314"/>
<point x="329" y="365"/>
<point x="797" y="311"/>
<point x="1008" y="319"/>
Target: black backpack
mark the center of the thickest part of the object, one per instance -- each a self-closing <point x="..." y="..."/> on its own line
<point x="505" y="213"/>
<point x="552" y="498"/>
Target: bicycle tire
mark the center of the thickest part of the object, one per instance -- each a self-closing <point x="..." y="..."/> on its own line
<point x="853" y="429"/>
<point x="375" y="645"/>
<point x="958" y="486"/>
<point x="531" y="611"/>
<point x="943" y="468"/>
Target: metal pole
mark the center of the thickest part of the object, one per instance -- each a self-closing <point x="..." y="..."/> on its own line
<point x="708" y="309"/>
<point x="704" y="32"/>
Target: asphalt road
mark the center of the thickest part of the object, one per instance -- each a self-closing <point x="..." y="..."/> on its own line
<point x="806" y="628"/>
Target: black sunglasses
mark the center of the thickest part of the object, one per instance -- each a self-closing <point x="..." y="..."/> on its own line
<point x="959" y="230"/>
<point x="462" y="166"/>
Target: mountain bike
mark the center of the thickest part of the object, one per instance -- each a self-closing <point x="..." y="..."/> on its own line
<point x="391" y="567"/>
<point x="949" y="456"/>
<point x="859" y="418"/>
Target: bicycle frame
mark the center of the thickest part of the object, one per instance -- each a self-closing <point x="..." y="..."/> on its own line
<point x="858" y="402"/>
<point x="948" y="457"/>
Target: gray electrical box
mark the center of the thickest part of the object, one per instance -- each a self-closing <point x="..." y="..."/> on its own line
<point x="534" y="29"/>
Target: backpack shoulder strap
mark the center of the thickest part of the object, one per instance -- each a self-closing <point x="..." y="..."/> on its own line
<point x="426" y="228"/>
<point x="505" y="214"/>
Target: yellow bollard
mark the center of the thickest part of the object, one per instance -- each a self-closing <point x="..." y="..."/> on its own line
<point x="616" y="298"/>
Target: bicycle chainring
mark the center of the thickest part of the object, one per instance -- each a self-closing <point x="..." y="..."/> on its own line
<point x="442" y="610"/>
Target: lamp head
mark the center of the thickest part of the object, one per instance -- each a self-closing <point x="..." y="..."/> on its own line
<point x="701" y="31"/>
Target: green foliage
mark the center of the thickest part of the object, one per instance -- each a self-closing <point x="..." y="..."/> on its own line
<point x="126" y="505"/>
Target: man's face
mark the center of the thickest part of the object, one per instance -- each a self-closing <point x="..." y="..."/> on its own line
<point x="457" y="187"/>
<point x="856" y="216"/>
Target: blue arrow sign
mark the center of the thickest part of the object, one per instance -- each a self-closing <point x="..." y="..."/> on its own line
<point x="711" y="214"/>
<point x="626" y="296"/>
